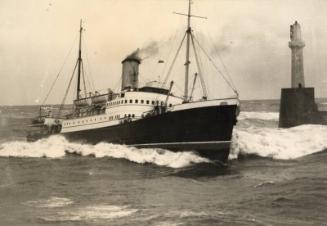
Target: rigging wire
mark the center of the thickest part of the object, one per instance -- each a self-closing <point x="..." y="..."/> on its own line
<point x="215" y="66"/>
<point x="222" y="62"/>
<point x="174" y="60"/>
<point x="204" y="72"/>
<point x="204" y="89"/>
<point x="169" y="52"/>
<point x="62" y="67"/>
<point x="83" y="76"/>
<point x="66" y="93"/>
<point x="193" y="86"/>
<point x="91" y="84"/>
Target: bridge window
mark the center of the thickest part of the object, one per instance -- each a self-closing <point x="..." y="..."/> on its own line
<point x="130" y="101"/>
<point x="136" y="101"/>
<point x="142" y="101"/>
<point x="147" y="102"/>
<point x="152" y="102"/>
<point x="133" y="116"/>
<point x="170" y="105"/>
<point x="125" y="101"/>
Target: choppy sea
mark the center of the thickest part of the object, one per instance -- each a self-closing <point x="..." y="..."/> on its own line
<point x="274" y="177"/>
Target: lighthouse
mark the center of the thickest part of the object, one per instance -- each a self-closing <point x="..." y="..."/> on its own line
<point x="297" y="104"/>
<point x="296" y="44"/>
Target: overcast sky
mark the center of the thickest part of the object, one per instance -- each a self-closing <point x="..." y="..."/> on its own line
<point x="250" y="36"/>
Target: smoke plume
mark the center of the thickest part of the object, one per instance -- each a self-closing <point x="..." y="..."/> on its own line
<point x="149" y="50"/>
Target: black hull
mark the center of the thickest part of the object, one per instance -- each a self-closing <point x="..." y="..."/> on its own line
<point x="207" y="130"/>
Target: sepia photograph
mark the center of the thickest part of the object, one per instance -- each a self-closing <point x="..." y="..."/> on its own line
<point x="163" y="112"/>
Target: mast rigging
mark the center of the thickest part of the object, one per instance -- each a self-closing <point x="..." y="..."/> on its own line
<point x="79" y="60"/>
<point x="187" y="56"/>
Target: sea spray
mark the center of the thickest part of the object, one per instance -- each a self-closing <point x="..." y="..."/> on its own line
<point x="261" y="115"/>
<point x="58" y="146"/>
<point x="278" y="143"/>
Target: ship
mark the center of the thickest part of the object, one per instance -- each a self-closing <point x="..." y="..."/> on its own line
<point x="148" y="116"/>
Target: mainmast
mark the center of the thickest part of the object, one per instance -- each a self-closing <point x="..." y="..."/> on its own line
<point x="79" y="61"/>
<point x="187" y="60"/>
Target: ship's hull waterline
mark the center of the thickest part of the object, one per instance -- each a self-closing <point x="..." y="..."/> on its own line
<point x="206" y="130"/>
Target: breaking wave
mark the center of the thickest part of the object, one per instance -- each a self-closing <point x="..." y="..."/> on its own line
<point x="269" y="116"/>
<point x="268" y="142"/>
<point x="58" y="146"/>
<point x="279" y="143"/>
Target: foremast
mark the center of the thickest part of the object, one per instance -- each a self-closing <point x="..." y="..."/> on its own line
<point x="187" y="56"/>
<point x="79" y="62"/>
<point x="190" y="40"/>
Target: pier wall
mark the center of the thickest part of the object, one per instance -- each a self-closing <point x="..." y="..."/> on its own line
<point x="297" y="107"/>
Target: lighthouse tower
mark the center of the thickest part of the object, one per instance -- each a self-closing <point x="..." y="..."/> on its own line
<point x="297" y="44"/>
<point x="297" y="104"/>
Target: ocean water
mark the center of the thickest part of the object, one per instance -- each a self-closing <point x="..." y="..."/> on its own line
<point x="274" y="177"/>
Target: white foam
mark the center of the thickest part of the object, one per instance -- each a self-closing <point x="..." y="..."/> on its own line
<point x="269" y="116"/>
<point x="187" y="213"/>
<point x="280" y="143"/>
<point x="90" y="213"/>
<point x="52" y="202"/>
<point x="56" y="147"/>
<point x="168" y="223"/>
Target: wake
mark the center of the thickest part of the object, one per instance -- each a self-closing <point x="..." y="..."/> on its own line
<point x="58" y="147"/>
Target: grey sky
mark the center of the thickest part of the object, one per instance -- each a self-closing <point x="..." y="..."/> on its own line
<point x="251" y="37"/>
